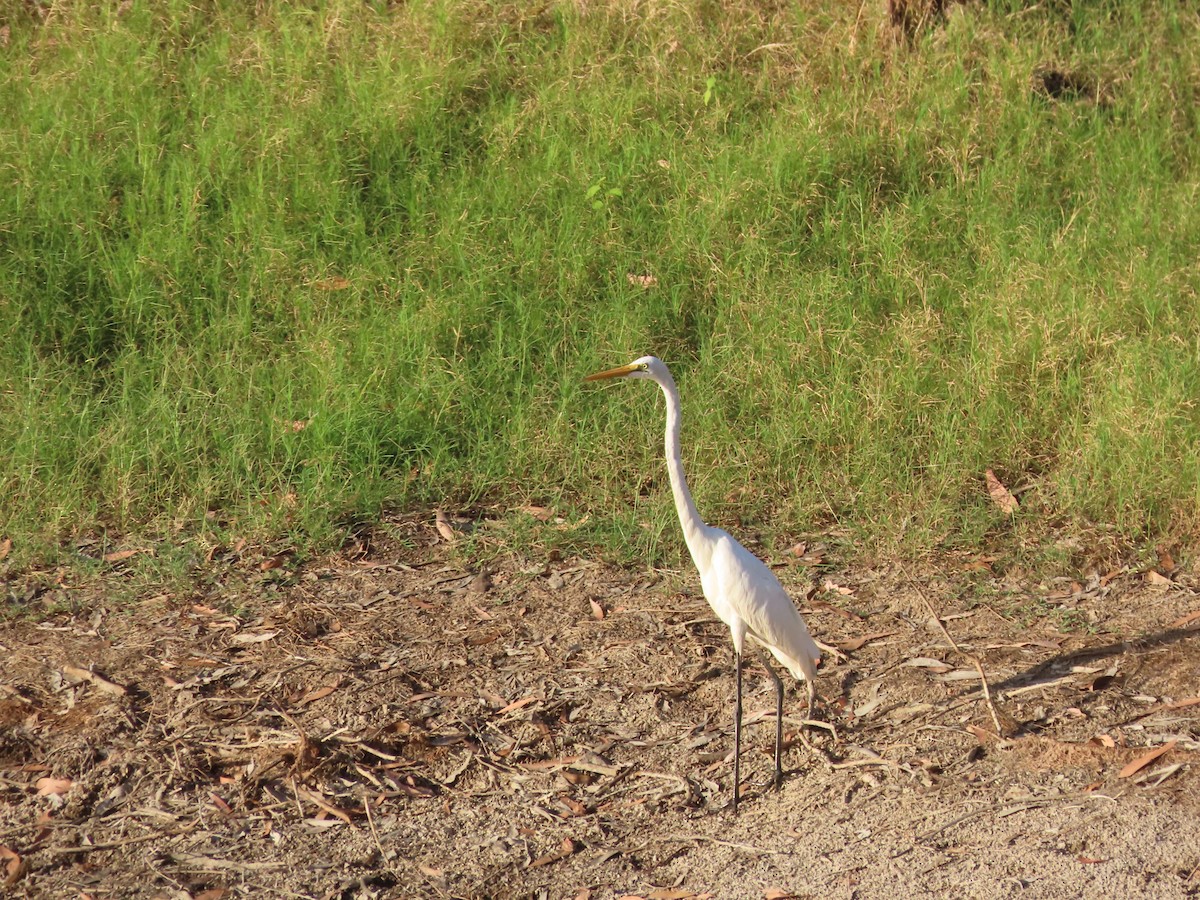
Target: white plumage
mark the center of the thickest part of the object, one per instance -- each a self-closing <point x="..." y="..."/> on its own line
<point x="741" y="590"/>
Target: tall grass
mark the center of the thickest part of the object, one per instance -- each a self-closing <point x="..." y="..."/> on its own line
<point x="282" y="266"/>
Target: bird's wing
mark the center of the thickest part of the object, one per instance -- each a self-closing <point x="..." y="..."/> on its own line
<point x="754" y="593"/>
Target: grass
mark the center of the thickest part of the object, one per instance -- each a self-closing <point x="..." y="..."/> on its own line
<point x="272" y="269"/>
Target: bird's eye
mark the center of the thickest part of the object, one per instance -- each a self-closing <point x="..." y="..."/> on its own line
<point x="645" y="367"/>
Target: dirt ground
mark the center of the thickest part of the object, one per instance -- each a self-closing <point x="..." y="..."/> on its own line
<point x="396" y="722"/>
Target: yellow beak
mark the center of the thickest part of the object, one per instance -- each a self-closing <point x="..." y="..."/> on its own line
<point x="612" y="373"/>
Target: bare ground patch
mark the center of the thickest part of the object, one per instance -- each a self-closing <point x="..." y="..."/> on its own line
<point x="398" y="726"/>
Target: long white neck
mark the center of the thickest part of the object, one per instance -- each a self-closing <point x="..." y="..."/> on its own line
<point x="694" y="529"/>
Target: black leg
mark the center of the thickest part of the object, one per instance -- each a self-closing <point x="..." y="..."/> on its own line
<point x="778" y="721"/>
<point x="737" y="735"/>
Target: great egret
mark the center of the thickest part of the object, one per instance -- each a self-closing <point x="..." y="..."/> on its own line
<point x="741" y="590"/>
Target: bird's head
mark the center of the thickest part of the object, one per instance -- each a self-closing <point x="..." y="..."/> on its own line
<point x="643" y="367"/>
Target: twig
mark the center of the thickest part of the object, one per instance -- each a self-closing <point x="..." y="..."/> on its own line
<point x="699" y="838"/>
<point x="987" y="693"/>
<point x="112" y="845"/>
<point x="1004" y="811"/>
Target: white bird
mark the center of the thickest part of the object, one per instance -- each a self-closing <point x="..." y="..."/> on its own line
<point x="741" y="590"/>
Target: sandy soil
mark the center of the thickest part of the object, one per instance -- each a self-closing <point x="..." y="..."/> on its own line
<point x="401" y="725"/>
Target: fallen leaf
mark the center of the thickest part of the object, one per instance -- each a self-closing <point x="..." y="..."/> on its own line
<point x="1000" y="494"/>
<point x="1089" y="861"/>
<point x="924" y="662"/>
<point x="1103" y="740"/>
<point x="332" y="284"/>
<point x="844" y="591"/>
<point x="53" y="786"/>
<point x="217" y="893"/>
<point x="118" y="555"/>
<point x="982" y="734"/>
<point x="99" y="682"/>
<point x="5" y="547"/>
<point x="14" y="866"/>
<point x="318" y="694"/>
<point x="1166" y="562"/>
<point x="538" y="512"/>
<point x="1146" y="758"/>
<point x="516" y="704"/>
<point x="641" y="280"/>
<point x="844" y="613"/>
<point x="671" y="894"/>
<point x="1154" y="578"/>
<point x="597" y="610"/>
<point x="1182" y="704"/>
<point x="431" y="871"/>
<point x="1183" y="621"/>
<point x="776" y="893"/>
<point x="565" y="849"/>
<point x="858" y="642"/>
<point x="255" y="638"/>
<point x="445" y="529"/>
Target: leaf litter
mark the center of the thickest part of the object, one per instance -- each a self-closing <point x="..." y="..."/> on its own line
<point x="372" y="724"/>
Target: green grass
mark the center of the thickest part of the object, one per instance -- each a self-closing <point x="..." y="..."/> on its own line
<point x="275" y="270"/>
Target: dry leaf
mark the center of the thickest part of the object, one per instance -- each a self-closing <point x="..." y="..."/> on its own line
<point x="516" y="704"/>
<point x="14" y="866"/>
<point x="1000" y="494"/>
<point x="858" y="642"/>
<point x="844" y="591"/>
<point x="641" y="280"/>
<point x="925" y="662"/>
<point x="597" y="610"/>
<point x="776" y="893"/>
<point x="318" y="694"/>
<point x="1166" y="562"/>
<point x="1182" y="704"/>
<point x="118" y="555"/>
<point x="258" y="638"/>
<point x="1103" y="740"/>
<point x="565" y="849"/>
<point x="538" y="512"/>
<point x="332" y="284"/>
<point x="1157" y="580"/>
<point x="671" y="894"/>
<point x="5" y="547"/>
<point x="982" y="734"/>
<point x="1145" y="759"/>
<point x="1087" y="860"/>
<point x="431" y="871"/>
<point x="99" y="682"/>
<point x="1183" y="621"/>
<point x="217" y="893"/>
<point x="445" y="529"/>
<point x="53" y="786"/>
